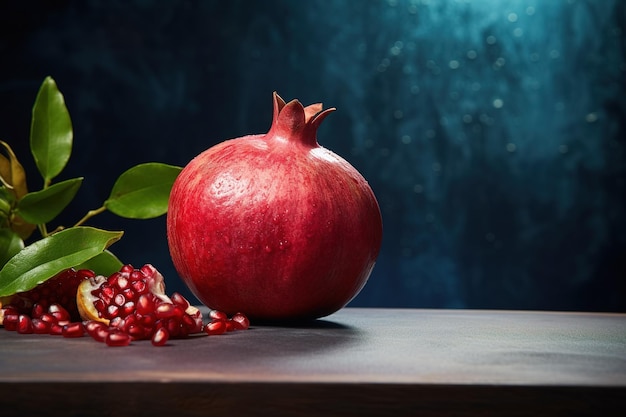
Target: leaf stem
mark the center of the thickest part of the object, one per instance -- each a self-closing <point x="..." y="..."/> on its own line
<point x="43" y="230"/>
<point x="90" y="214"/>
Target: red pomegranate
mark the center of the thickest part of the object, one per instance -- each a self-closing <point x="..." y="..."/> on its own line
<point x="274" y="225"/>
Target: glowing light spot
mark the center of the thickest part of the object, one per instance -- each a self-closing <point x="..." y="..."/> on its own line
<point x="405" y="139"/>
<point x="512" y="17"/>
<point x="471" y="54"/>
<point x="518" y="32"/>
<point x="591" y="117"/>
<point x="454" y="64"/>
<point x="491" y="40"/>
<point x="398" y="114"/>
<point x="498" y="103"/>
<point x="530" y="10"/>
<point x="467" y="118"/>
<point x="510" y="147"/>
<point x="554" y="54"/>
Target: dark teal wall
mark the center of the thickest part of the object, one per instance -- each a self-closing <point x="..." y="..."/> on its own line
<point x="491" y="131"/>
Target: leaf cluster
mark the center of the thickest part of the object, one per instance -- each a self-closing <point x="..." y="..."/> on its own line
<point x="28" y="258"/>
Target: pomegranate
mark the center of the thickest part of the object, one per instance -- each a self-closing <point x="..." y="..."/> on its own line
<point x="274" y="224"/>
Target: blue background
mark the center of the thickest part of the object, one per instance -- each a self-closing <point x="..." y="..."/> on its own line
<point x="492" y="132"/>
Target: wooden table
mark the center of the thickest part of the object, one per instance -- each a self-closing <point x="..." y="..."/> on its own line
<point x="356" y="362"/>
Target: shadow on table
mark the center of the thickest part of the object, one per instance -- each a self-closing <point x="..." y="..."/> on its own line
<point x="291" y="338"/>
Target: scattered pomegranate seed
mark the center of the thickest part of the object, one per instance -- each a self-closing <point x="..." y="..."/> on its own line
<point x="117" y="338"/>
<point x="126" y="300"/>
<point x="217" y="315"/>
<point x="24" y="324"/>
<point x="97" y="330"/>
<point x="10" y="322"/>
<point x="240" y="321"/>
<point x="160" y="337"/>
<point x="59" y="313"/>
<point x="56" y="329"/>
<point x="73" y="330"/>
<point x="215" y="327"/>
<point x="41" y="326"/>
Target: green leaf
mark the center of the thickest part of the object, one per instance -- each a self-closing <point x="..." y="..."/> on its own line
<point x="143" y="191"/>
<point x="103" y="264"/>
<point x="40" y="207"/>
<point x="51" y="132"/>
<point x="10" y="244"/>
<point x="48" y="256"/>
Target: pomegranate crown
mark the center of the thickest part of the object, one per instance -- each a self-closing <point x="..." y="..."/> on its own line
<point x="294" y="122"/>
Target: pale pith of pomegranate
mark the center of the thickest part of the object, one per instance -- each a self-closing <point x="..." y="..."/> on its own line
<point x="274" y="224"/>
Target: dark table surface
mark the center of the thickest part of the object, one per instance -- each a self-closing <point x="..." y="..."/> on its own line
<point x="354" y="362"/>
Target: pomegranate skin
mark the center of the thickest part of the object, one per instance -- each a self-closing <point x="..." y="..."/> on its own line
<point x="274" y="225"/>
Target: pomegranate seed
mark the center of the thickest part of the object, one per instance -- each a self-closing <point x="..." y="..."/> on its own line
<point x="100" y="306"/>
<point x="47" y="317"/>
<point x="122" y="283"/>
<point x="168" y="310"/>
<point x="218" y="315"/>
<point x="171" y="325"/>
<point x="136" y="275"/>
<point x="179" y="300"/>
<point x="188" y="322"/>
<point x="112" y="311"/>
<point x="38" y="310"/>
<point x="135" y="331"/>
<point x="139" y="287"/>
<point x="24" y="324"/>
<point x="58" y="312"/>
<point x="119" y="299"/>
<point x="240" y="321"/>
<point x="148" y="270"/>
<point x="128" y="308"/>
<point x="145" y="304"/>
<point x="160" y="337"/>
<point x="112" y="280"/>
<point x="40" y="326"/>
<point x="106" y="293"/>
<point x="85" y="273"/>
<point x="10" y="309"/>
<point x="75" y="329"/>
<point x="117" y="338"/>
<point x="56" y="329"/>
<point x="97" y="330"/>
<point x="229" y="325"/>
<point x="147" y="320"/>
<point x="215" y="327"/>
<point x="10" y="322"/>
<point x="128" y="268"/>
<point x="129" y="294"/>
<point x="117" y="322"/>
